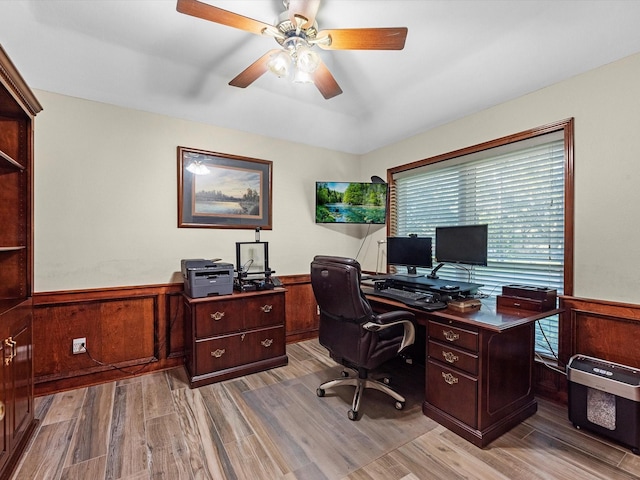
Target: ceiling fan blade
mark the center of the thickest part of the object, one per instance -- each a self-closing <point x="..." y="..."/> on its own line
<point x="325" y="82"/>
<point x="252" y="72"/>
<point x="364" y="38"/>
<point x="304" y="8"/>
<point x="223" y="17"/>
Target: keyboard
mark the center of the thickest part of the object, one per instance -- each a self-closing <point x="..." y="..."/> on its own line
<point x="421" y="300"/>
<point x="399" y="294"/>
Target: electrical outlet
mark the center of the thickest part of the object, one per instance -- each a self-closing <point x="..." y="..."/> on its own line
<point x="79" y="345"/>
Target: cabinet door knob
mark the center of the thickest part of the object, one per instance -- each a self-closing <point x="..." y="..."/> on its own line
<point x="266" y="308"/>
<point x="217" y="316"/>
<point x="450" y="335"/>
<point x="450" y="357"/>
<point x="218" y="353"/>
<point x="450" y="379"/>
<point x="267" y="342"/>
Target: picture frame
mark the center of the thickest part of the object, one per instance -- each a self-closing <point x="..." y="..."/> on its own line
<point x="218" y="190"/>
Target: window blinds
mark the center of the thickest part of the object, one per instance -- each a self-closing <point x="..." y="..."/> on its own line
<point x="519" y="194"/>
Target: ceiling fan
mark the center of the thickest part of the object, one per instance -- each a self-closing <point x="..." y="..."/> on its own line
<point x="297" y="33"/>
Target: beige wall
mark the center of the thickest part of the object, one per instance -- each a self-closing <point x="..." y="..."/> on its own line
<point x="106" y="197"/>
<point x="606" y="106"/>
<point x="106" y="186"/>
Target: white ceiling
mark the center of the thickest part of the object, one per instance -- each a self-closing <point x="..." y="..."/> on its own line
<point x="460" y="57"/>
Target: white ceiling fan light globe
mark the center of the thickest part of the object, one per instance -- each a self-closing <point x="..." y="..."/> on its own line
<point x="280" y="64"/>
<point x="307" y="59"/>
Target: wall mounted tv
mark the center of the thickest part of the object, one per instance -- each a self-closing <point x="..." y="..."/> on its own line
<point x="351" y="202"/>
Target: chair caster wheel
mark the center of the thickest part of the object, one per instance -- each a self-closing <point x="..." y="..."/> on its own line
<point x="320" y="392"/>
<point x="386" y="380"/>
<point x="399" y="405"/>
<point x="352" y="415"/>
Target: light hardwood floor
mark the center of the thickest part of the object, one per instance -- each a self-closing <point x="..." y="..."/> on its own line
<point x="271" y="425"/>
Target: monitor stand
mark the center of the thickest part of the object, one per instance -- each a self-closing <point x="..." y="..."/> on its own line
<point x="433" y="272"/>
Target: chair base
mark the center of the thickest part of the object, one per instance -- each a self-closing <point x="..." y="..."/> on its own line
<point x="361" y="384"/>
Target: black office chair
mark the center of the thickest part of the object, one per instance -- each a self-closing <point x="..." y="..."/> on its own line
<point x="355" y="336"/>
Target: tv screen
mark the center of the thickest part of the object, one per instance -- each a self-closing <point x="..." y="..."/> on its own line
<point x="351" y="202"/>
<point x="462" y="244"/>
<point x="411" y="252"/>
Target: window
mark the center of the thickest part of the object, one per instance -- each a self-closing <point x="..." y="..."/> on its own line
<point x="520" y="186"/>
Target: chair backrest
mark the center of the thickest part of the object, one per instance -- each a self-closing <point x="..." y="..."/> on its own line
<point x="336" y="286"/>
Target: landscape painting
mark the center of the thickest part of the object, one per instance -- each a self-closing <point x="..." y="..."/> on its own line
<point x="218" y="190"/>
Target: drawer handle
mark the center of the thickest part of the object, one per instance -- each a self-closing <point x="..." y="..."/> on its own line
<point x="218" y="353"/>
<point x="450" y="379"/>
<point x="450" y="335"/>
<point x="450" y="357"/>
<point x="266" y="308"/>
<point x="267" y="342"/>
<point x="217" y="316"/>
<point x="2" y="411"/>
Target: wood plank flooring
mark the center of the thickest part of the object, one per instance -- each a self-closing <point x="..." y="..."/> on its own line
<point x="270" y="425"/>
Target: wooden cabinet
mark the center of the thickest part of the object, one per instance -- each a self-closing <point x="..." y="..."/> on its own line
<point x="234" y="335"/>
<point x="478" y="380"/>
<point x="18" y="107"/>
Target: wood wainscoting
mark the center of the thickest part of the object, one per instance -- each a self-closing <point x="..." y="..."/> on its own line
<point x="130" y="331"/>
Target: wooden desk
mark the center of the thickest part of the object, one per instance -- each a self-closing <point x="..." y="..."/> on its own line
<point x="478" y="367"/>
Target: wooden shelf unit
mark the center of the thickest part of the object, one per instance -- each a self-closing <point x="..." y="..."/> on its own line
<point x="18" y="108"/>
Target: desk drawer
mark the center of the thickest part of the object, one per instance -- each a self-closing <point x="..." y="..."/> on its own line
<point x="450" y="335"/>
<point x="453" y="357"/>
<point x="452" y="392"/>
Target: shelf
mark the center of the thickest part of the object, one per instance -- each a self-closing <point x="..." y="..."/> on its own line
<point x="10" y="160"/>
<point x="12" y="249"/>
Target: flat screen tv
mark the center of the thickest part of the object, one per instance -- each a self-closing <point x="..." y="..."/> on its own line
<point x="351" y="202"/>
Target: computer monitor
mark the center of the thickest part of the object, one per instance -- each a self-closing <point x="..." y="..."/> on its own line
<point x="462" y="244"/>
<point x="412" y="252"/>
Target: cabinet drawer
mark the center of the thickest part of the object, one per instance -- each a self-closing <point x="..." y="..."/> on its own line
<point x="452" y="392"/>
<point x="215" y="318"/>
<point x="238" y="349"/>
<point x="450" y="335"/>
<point x="264" y="343"/>
<point x="454" y="357"/>
<point x="263" y="311"/>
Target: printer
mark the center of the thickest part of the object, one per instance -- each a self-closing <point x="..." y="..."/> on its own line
<point x="204" y="278"/>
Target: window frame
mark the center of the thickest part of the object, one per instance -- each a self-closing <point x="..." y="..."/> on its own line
<point x="567" y="128"/>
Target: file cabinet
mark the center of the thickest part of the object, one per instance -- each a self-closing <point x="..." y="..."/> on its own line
<point x="234" y="335"/>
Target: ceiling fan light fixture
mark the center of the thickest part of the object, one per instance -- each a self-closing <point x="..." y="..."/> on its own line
<point x="307" y="60"/>
<point x="301" y="76"/>
<point x="280" y="63"/>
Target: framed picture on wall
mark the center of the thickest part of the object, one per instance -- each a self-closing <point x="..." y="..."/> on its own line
<point x="217" y="190"/>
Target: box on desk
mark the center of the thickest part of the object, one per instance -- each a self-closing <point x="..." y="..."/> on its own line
<point x="523" y="297"/>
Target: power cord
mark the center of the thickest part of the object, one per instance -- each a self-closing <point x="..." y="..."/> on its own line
<point x="548" y="345"/>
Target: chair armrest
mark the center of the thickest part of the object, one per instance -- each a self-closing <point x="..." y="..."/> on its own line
<point x="391" y="319"/>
